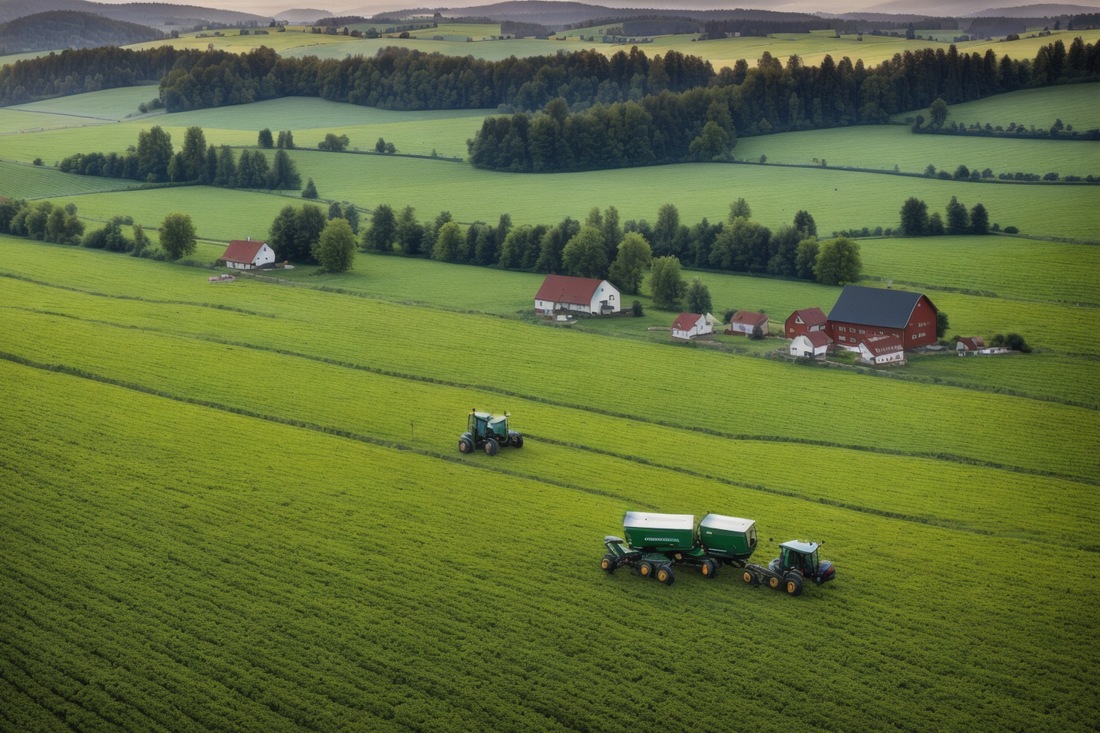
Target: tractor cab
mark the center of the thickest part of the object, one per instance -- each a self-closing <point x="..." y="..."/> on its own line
<point x="802" y="558"/>
<point x="487" y="432"/>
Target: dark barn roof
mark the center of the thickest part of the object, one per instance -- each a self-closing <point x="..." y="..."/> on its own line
<point x="875" y="307"/>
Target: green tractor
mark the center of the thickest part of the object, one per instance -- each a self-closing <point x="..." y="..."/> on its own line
<point x="488" y="433"/>
<point x="797" y="563"/>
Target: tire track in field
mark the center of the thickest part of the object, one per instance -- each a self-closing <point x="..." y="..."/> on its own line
<point x="91" y="376"/>
<point x="944" y="457"/>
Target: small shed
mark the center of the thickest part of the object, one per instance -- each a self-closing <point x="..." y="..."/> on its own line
<point x="689" y="325"/>
<point x="745" y="321"/>
<point x="244" y="254"/>
<point x="881" y="350"/>
<point x="969" y="344"/>
<point x="814" y="344"/>
<point x="804" y="321"/>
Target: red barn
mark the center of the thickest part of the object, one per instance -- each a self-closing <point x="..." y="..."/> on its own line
<point x="804" y="321"/>
<point x="862" y="312"/>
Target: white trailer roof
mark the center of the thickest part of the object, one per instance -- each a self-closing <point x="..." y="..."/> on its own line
<point x="659" y="521"/>
<point x="729" y="524"/>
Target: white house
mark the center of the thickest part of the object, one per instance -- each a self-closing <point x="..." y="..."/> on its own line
<point x="972" y="344"/>
<point x="814" y="343"/>
<point x="247" y="255"/>
<point x="690" y="325"/>
<point x="882" y="350"/>
<point x="745" y="321"/>
<point x="581" y="294"/>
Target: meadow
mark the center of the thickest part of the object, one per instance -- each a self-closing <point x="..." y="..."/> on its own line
<point x="107" y="104"/>
<point x="1074" y="104"/>
<point x="19" y="180"/>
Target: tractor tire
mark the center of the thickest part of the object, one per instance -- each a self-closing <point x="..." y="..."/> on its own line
<point x="465" y="445"/>
<point x="710" y="569"/>
<point x="793" y="584"/>
<point x="491" y="447"/>
<point x="646" y="569"/>
<point x="608" y="563"/>
<point x="773" y="582"/>
<point x="515" y="440"/>
<point x="664" y="574"/>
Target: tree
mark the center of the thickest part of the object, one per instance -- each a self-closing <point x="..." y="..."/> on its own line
<point x="697" y="297"/>
<point x="942" y="324"/>
<point x="210" y="166"/>
<point x="838" y="262"/>
<point x="612" y="232"/>
<point x="380" y="146"/>
<point x="584" y="255"/>
<point x="447" y="242"/>
<point x="154" y="154"/>
<point x="227" y="167"/>
<point x="352" y="215"/>
<point x="805" y="258"/>
<point x="193" y="154"/>
<point x="666" y="283"/>
<point x="914" y="217"/>
<point x="634" y="258"/>
<point x="784" y="249"/>
<point x="712" y="144"/>
<point x="310" y="191"/>
<point x="286" y="140"/>
<point x="665" y="230"/>
<point x="284" y="174"/>
<point x="741" y="208"/>
<point x="979" y="220"/>
<point x="962" y="173"/>
<point x="264" y="140"/>
<point x="409" y="232"/>
<point x="335" y="211"/>
<point x="177" y="235"/>
<point x="333" y="143"/>
<point x="938" y="113"/>
<point x="805" y="224"/>
<point x="935" y="225"/>
<point x="335" y="248"/>
<point x="283" y="232"/>
<point x="383" y="230"/>
<point x="958" y="221"/>
<point x="141" y="240"/>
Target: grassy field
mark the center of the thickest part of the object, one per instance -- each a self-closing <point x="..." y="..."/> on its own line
<point x="108" y="104"/>
<point x="886" y="146"/>
<point x="28" y="181"/>
<point x="22" y="122"/>
<point x="1074" y="104"/>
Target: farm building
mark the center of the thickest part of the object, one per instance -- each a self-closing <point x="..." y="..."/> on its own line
<point x="881" y="350"/>
<point x="804" y="321"/>
<point x="969" y="344"/>
<point x="690" y="325"/>
<point x="745" y="321"/>
<point x="581" y="294"/>
<point x="861" y="312"/>
<point x="244" y="254"/>
<point x="814" y="343"/>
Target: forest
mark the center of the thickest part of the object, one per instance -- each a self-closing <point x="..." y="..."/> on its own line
<point x="63" y="28"/>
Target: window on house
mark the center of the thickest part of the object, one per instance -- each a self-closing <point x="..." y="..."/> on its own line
<point x="842" y="329"/>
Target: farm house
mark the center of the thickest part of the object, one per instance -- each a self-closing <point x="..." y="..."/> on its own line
<point x="804" y="321"/>
<point x="690" y="325"/>
<point x="244" y="254"/>
<point x="580" y="294"/>
<point x="814" y="343"/>
<point x="969" y="344"/>
<point x="745" y="321"/>
<point x="881" y="350"/>
<point x="862" y="312"/>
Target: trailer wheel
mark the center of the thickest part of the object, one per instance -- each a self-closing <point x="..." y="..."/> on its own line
<point x="748" y="578"/>
<point x="773" y="582"/>
<point x="710" y="569"/>
<point x="664" y="574"/>
<point x="794" y="584"/>
<point x="608" y="563"/>
<point x="646" y="569"/>
<point x="491" y="447"/>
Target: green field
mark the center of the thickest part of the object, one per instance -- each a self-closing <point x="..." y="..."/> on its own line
<point x="21" y="122"/>
<point x="20" y="181"/>
<point x="1074" y="104"/>
<point x="886" y="146"/>
<point x="108" y="104"/>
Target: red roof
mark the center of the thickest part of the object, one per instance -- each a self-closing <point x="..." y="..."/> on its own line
<point x="749" y="318"/>
<point x="686" y="321"/>
<point x="972" y="343"/>
<point x="811" y="316"/>
<point x="818" y="338"/>
<point x="242" y="251"/>
<point x="562" y="289"/>
<point x="883" y="344"/>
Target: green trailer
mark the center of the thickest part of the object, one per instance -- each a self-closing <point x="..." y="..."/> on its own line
<point x="654" y="542"/>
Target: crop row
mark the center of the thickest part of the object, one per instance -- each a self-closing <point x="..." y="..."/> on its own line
<point x="592" y="452"/>
<point x="312" y="580"/>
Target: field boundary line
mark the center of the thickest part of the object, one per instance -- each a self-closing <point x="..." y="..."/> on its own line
<point x="289" y="422"/>
<point x="942" y="456"/>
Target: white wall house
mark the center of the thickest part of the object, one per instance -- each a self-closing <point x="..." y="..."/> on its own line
<point x="579" y="294"/>
<point x="814" y="343"/>
<point x="244" y="254"/>
<point x="745" y="321"/>
<point x="881" y="350"/>
<point x="690" y="325"/>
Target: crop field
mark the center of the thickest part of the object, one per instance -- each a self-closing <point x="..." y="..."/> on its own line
<point x="1074" y="104"/>
<point x="883" y="147"/>
<point x="26" y="181"/>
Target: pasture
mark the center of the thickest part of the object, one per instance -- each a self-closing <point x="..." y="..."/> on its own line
<point x="16" y="121"/>
<point x="21" y="181"/>
<point x="107" y="104"/>
<point x="1074" y="104"/>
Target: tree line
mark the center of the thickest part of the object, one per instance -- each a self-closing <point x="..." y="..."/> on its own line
<point x="70" y="29"/>
<point x="917" y="222"/>
<point x="704" y="123"/>
<point x="153" y="161"/>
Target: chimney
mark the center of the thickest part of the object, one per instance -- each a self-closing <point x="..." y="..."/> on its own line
<point x="250" y="239"/>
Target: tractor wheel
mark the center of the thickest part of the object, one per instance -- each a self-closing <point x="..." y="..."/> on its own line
<point x="646" y="569"/>
<point x="608" y="563"/>
<point x="465" y="445"/>
<point x="794" y="584"/>
<point x="664" y="574"/>
<point x="710" y="569"/>
<point x="515" y="440"/>
<point x="491" y="447"/>
<point x="773" y="582"/>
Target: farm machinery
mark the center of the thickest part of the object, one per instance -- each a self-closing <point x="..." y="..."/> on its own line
<point x="656" y="542"/>
<point x="488" y="433"/>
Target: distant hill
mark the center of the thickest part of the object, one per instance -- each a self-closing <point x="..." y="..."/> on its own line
<point x="965" y="8"/>
<point x="70" y="29"/>
<point x="296" y="16"/>
<point x="1036" y="11"/>
<point x="161" y="15"/>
